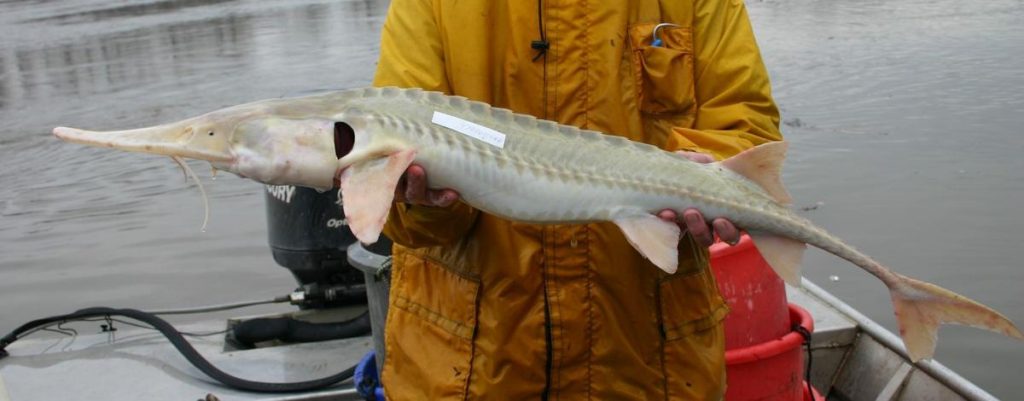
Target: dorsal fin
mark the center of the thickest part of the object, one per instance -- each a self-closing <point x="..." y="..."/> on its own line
<point x="762" y="164"/>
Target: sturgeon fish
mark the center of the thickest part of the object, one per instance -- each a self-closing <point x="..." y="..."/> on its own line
<point x="522" y="168"/>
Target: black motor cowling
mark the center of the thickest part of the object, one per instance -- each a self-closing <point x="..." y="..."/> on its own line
<point x="308" y="235"/>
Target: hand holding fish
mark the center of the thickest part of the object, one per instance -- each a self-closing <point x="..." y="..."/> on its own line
<point x="412" y="189"/>
<point x="692" y="219"/>
<point x="694" y="223"/>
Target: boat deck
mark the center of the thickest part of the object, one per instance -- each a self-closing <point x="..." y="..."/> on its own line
<point x="139" y="364"/>
<point x="853" y="359"/>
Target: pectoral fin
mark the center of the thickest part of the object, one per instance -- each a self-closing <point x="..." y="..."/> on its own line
<point x="784" y="255"/>
<point x="654" y="238"/>
<point x="367" y="190"/>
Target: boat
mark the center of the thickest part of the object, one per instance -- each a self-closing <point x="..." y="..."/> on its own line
<point x="853" y="358"/>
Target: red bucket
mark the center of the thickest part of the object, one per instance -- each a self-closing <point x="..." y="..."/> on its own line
<point x="755" y="294"/>
<point x="812" y="394"/>
<point x="771" y="370"/>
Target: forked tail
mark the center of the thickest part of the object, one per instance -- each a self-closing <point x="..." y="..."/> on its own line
<point x="921" y="307"/>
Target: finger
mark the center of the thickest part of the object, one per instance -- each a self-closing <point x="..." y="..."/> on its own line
<point x="697" y="227"/>
<point x="442" y="197"/>
<point x="668" y="215"/>
<point x="726" y="231"/>
<point x="702" y="158"/>
<point x="416" y="185"/>
<point x="400" y="189"/>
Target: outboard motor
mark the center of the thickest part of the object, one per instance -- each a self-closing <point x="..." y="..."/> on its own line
<point x="309" y="236"/>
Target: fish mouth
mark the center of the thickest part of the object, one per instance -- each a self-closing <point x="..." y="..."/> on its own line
<point x="161" y="140"/>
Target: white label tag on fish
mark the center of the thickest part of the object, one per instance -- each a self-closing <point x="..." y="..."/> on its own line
<point x="477" y="131"/>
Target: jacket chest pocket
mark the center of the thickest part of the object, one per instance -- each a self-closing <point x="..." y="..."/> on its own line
<point x="429" y="332"/>
<point x="663" y="67"/>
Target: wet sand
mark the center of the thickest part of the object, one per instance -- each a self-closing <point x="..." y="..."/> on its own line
<point x="904" y="120"/>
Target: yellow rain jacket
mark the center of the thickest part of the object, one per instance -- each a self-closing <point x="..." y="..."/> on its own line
<point x="484" y="308"/>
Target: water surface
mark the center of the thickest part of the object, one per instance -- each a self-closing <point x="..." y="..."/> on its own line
<point x="905" y="121"/>
<point x="84" y="227"/>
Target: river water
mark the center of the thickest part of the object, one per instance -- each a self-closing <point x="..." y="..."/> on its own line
<point x="904" y="118"/>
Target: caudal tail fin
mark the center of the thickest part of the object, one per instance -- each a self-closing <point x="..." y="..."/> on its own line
<point x="921" y="307"/>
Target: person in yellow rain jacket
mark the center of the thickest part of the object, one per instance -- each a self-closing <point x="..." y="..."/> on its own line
<point x="485" y="308"/>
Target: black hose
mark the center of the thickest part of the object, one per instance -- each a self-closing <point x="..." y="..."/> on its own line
<point x="287" y="329"/>
<point x="183" y="346"/>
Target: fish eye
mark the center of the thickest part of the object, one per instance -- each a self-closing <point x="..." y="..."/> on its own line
<point x="344" y="138"/>
<point x="211" y="133"/>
